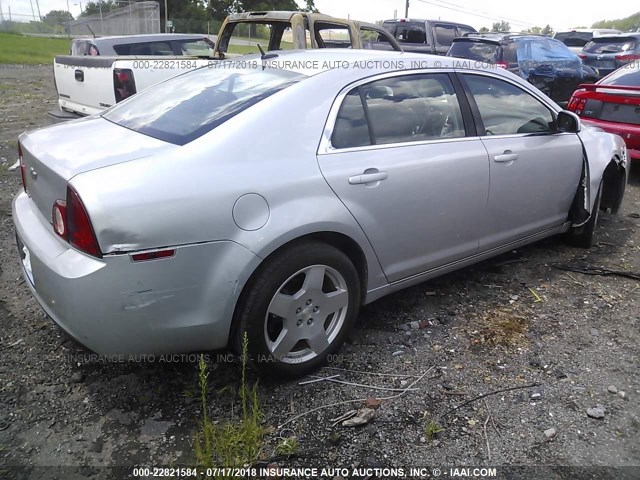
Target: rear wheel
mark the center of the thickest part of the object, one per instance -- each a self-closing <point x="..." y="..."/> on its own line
<point x="298" y="309"/>
<point x="583" y="236"/>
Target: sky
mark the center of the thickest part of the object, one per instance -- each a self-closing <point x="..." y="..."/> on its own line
<point x="520" y="14"/>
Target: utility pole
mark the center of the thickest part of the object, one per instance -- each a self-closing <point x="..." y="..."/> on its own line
<point x="32" y="12"/>
<point x="1" y="13"/>
<point x="166" y="16"/>
<point x="406" y="9"/>
<point x="39" y="15"/>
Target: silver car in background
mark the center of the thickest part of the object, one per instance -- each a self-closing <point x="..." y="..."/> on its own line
<point x="277" y="195"/>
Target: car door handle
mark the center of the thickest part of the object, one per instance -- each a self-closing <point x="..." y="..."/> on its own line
<point x="79" y="75"/>
<point x="368" y="178"/>
<point x="507" y="156"/>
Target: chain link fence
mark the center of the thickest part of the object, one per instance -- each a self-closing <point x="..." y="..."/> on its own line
<point x="134" y="19"/>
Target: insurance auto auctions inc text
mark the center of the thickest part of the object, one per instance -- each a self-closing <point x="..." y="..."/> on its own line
<point x="376" y="472"/>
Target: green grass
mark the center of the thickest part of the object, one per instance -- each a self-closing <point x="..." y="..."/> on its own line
<point x="21" y="49"/>
<point x="235" y="443"/>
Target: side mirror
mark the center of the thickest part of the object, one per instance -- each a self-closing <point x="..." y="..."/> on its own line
<point x="568" y="122"/>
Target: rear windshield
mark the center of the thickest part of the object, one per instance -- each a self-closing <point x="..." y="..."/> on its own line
<point x="610" y="45"/>
<point x="185" y="107"/>
<point x="480" y="51"/>
<point x="541" y="49"/>
<point x="574" y="39"/>
<point x="626" y="76"/>
<point x="200" y="48"/>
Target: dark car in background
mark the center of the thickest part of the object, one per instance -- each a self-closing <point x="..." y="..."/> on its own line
<point x="613" y="104"/>
<point x="543" y="61"/>
<point x="609" y="53"/>
<point x="577" y="38"/>
<point x="426" y="36"/>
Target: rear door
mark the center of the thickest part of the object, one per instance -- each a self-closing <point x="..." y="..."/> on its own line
<point x="534" y="170"/>
<point x="396" y="153"/>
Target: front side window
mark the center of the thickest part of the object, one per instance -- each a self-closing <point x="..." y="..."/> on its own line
<point x="400" y="109"/>
<point x="187" y="106"/>
<point x="506" y="109"/>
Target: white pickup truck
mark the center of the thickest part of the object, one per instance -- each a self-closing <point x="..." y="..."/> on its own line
<point x="89" y="82"/>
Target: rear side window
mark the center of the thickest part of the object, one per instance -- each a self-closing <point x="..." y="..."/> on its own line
<point x="330" y="35"/>
<point x="610" y="45"/>
<point x="187" y="106"/>
<point x="407" y="108"/>
<point x="480" y="51"/>
<point x="412" y="32"/>
<point x="444" y="34"/>
<point x="464" y="30"/>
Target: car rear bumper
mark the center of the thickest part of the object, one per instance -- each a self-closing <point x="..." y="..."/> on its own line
<point x="116" y="306"/>
<point x="629" y="133"/>
<point x="78" y="108"/>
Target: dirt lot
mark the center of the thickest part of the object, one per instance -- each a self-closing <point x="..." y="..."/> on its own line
<point x="512" y="321"/>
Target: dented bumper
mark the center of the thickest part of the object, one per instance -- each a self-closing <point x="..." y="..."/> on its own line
<point x="113" y="305"/>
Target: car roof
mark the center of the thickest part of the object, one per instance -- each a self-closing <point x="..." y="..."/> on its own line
<point x="499" y="37"/>
<point x="150" y="37"/>
<point x="277" y="15"/>
<point x="314" y="61"/>
<point x="620" y="36"/>
<point x="407" y="20"/>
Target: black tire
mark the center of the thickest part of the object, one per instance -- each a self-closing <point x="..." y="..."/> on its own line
<point x="282" y="274"/>
<point x="584" y="235"/>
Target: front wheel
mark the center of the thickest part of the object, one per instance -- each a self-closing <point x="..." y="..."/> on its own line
<point x="298" y="309"/>
<point x="583" y="235"/>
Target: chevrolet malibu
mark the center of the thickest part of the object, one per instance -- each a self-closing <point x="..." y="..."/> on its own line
<point x="276" y="196"/>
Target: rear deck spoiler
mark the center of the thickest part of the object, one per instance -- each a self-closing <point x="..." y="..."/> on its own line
<point x="592" y="87"/>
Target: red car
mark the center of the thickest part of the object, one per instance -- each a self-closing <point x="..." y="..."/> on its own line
<point x="613" y="104"/>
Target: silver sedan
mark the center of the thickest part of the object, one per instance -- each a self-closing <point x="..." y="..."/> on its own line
<point x="276" y="195"/>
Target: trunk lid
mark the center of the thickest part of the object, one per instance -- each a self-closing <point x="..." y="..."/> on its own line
<point x="54" y="155"/>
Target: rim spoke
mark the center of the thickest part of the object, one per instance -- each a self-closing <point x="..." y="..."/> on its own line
<point x="314" y="278"/>
<point x="281" y="305"/>
<point x="284" y="343"/>
<point x="333" y="302"/>
<point x="318" y="340"/>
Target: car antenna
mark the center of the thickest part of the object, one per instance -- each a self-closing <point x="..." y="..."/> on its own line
<point x="264" y="55"/>
<point x="94" y="35"/>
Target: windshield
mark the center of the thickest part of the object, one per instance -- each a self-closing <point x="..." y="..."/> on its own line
<point x="185" y="107"/>
<point x="610" y="45"/>
<point x="628" y="76"/>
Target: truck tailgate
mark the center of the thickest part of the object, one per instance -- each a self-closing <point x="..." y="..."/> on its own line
<point x="84" y="84"/>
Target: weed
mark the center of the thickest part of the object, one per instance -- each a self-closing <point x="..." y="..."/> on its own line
<point x="432" y="429"/>
<point x="235" y="443"/>
<point x="287" y="447"/>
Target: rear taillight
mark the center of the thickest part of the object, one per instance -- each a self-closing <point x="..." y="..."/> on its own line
<point x="502" y="64"/>
<point x="627" y="58"/>
<point x="23" y="168"/>
<point x="576" y="105"/>
<point x="124" y="84"/>
<point x="72" y="223"/>
<point x="582" y="56"/>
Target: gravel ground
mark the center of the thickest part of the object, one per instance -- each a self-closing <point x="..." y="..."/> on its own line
<point x="513" y="321"/>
